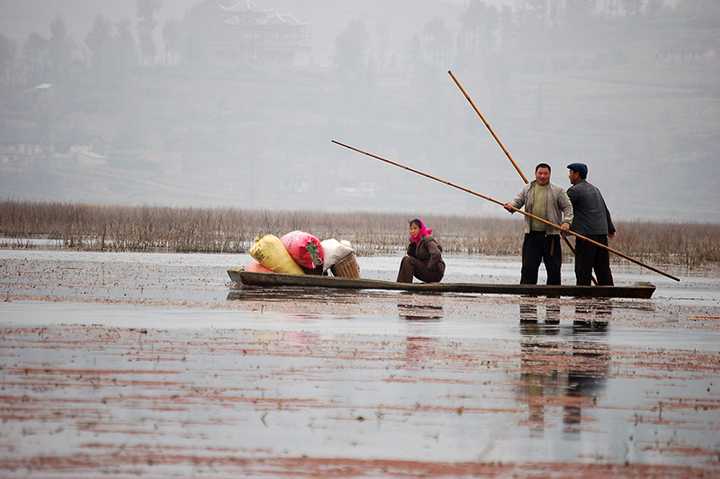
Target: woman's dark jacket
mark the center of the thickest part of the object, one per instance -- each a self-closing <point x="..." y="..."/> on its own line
<point x="428" y="251"/>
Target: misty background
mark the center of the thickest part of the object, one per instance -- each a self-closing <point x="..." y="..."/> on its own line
<point x="234" y="103"/>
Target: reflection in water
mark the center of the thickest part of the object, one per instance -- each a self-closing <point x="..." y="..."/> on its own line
<point x="592" y="314"/>
<point x="420" y="312"/>
<point x="529" y="311"/>
<point x="294" y="294"/>
<point x="567" y="371"/>
<point x="586" y="378"/>
<point x="419" y="349"/>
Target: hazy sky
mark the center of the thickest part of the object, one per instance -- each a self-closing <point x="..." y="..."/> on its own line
<point x="635" y="97"/>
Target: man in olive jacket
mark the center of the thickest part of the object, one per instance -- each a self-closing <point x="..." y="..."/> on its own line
<point x="592" y="220"/>
<point x="542" y="242"/>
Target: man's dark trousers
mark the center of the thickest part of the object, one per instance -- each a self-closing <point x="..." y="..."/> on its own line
<point x="540" y="247"/>
<point x="589" y="257"/>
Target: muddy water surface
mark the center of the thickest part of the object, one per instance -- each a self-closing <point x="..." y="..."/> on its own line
<point x="154" y="365"/>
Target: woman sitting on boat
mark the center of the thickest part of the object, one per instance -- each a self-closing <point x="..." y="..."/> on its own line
<point x="424" y="256"/>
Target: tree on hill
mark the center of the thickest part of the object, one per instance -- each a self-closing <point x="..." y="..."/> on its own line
<point x="479" y="23"/>
<point x="35" y="54"/>
<point x="437" y="42"/>
<point x="113" y="52"/>
<point x="171" y="39"/>
<point x="7" y="57"/>
<point x="146" y="10"/>
<point x="351" y="50"/>
<point x="98" y="42"/>
<point x="60" y="49"/>
<point x="125" y="48"/>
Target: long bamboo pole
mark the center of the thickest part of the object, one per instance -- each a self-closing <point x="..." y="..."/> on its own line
<point x="497" y="202"/>
<point x="503" y="148"/>
<point x="487" y="125"/>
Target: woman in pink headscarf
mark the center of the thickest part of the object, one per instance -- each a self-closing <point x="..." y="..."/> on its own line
<point x="424" y="256"/>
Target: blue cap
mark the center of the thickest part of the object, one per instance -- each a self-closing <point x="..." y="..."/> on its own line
<point x="580" y="168"/>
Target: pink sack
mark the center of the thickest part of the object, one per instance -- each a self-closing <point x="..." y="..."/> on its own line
<point x="255" y="267"/>
<point x="304" y="248"/>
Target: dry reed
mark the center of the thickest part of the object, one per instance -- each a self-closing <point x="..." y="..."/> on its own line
<point x="226" y="230"/>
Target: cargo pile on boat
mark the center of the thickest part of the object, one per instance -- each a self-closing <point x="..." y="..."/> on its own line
<point x="300" y="253"/>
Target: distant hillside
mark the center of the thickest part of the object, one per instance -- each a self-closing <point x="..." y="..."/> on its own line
<point x="233" y="111"/>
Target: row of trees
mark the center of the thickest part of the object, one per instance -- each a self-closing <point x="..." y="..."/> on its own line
<point x="563" y="34"/>
<point x="111" y="48"/>
<point x="483" y="28"/>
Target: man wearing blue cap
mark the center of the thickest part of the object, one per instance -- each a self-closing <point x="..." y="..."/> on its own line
<point x="591" y="219"/>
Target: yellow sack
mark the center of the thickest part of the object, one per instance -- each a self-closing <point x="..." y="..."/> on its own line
<point x="270" y="252"/>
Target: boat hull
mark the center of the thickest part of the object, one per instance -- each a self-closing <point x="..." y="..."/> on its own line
<point x="270" y="280"/>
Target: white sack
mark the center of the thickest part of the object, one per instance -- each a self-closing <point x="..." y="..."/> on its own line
<point x="335" y="251"/>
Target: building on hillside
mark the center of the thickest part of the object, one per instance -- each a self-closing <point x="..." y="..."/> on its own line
<point x="242" y="33"/>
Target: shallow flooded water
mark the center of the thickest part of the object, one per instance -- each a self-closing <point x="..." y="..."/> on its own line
<point x="154" y="365"/>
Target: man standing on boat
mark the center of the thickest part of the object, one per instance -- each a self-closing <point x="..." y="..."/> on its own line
<point x="592" y="219"/>
<point x="542" y="242"/>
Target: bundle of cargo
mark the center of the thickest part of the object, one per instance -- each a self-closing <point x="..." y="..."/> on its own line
<point x="340" y="258"/>
<point x="255" y="267"/>
<point x="302" y="253"/>
<point x="270" y="252"/>
<point x="295" y="253"/>
<point x="305" y="249"/>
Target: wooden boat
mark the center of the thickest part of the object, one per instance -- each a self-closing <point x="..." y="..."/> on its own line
<point x="273" y="280"/>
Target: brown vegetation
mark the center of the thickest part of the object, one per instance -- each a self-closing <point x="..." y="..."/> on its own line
<point x="225" y="230"/>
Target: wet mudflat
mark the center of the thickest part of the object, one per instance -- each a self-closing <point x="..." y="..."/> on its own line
<point x="124" y="365"/>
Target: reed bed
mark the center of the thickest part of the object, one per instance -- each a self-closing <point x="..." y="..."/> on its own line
<point x="227" y="230"/>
